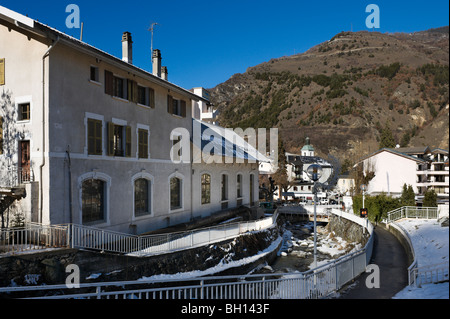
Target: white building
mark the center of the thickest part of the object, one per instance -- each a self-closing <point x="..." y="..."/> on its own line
<point x="301" y="185"/>
<point x="421" y="167"/>
<point x="89" y="137"/>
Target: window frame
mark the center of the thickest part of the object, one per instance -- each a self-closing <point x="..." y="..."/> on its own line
<point x="150" y="180"/>
<point x="239" y="180"/>
<point x="106" y="197"/>
<point x="205" y="189"/>
<point x="224" y="187"/>
<point x="180" y="177"/>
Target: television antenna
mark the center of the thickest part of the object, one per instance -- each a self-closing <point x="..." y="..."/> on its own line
<point x="151" y="29"/>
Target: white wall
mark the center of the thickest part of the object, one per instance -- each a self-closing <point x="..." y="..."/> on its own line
<point x="391" y="173"/>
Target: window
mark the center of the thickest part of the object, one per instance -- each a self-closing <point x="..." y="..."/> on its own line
<point x="224" y="187"/>
<point x="94" y="74"/>
<point x="206" y="189"/>
<point x="119" y="140"/>
<point x="146" y="96"/>
<point x="142" y="197"/>
<point x="95" y="137"/>
<point x="252" y="196"/>
<point x="239" y="186"/>
<point x="119" y="87"/>
<point x="93" y="200"/>
<point x="176" y="146"/>
<point x="142" y="143"/>
<point x="24" y="112"/>
<point x="176" y="107"/>
<point x="175" y="193"/>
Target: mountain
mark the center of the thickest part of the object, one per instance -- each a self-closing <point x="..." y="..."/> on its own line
<point x="342" y="93"/>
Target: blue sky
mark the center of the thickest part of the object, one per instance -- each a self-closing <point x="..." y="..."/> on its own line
<point x="203" y="43"/>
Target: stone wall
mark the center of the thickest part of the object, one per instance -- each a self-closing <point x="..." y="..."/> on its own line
<point x="348" y="230"/>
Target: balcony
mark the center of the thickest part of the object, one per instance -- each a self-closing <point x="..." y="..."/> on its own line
<point x="15" y="177"/>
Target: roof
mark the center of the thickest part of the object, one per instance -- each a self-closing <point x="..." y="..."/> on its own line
<point x="46" y="31"/>
<point x="308" y="148"/>
<point x="225" y="141"/>
<point x="393" y="151"/>
<point x="413" y="150"/>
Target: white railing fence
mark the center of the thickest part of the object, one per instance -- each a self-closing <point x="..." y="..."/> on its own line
<point x="316" y="283"/>
<point x="426" y="274"/>
<point x="412" y="212"/>
<point x="33" y="237"/>
<point x="430" y="274"/>
<point x="36" y="236"/>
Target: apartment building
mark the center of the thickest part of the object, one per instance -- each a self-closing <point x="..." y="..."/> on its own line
<point x="90" y="135"/>
<point x="423" y="168"/>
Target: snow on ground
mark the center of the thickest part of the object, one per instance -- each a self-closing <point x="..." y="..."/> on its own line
<point x="431" y="246"/>
<point x="224" y="265"/>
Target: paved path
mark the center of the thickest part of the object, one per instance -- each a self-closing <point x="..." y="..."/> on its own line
<point x="392" y="260"/>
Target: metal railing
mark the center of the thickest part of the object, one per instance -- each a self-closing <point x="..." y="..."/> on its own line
<point x="430" y="274"/>
<point x="32" y="237"/>
<point x="425" y="274"/>
<point x="316" y="283"/>
<point x="412" y="212"/>
<point x="15" y="176"/>
<point x="36" y="236"/>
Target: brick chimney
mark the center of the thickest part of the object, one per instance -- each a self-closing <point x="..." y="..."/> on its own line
<point x="156" y="61"/>
<point x="127" y="48"/>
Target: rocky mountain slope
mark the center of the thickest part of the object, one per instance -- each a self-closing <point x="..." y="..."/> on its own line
<point x="343" y="92"/>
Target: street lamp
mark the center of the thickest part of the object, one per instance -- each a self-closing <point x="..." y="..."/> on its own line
<point x="314" y="172"/>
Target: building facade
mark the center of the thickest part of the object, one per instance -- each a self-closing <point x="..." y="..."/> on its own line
<point x="91" y="135"/>
<point x="421" y="167"/>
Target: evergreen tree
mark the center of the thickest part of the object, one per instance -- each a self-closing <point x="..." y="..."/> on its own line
<point x="387" y="139"/>
<point x="408" y="196"/>
<point x="430" y="199"/>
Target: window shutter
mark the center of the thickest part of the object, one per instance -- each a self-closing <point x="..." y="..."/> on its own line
<point x="135" y="92"/>
<point x="109" y="83"/>
<point x="110" y="139"/>
<point x="128" y="141"/>
<point x="169" y="104"/>
<point x="151" y="97"/>
<point x="183" y="108"/>
<point x="91" y="136"/>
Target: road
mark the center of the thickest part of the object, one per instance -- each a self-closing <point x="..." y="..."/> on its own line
<point x="390" y="256"/>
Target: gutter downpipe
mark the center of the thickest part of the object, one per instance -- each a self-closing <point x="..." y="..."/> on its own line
<point x="41" y="195"/>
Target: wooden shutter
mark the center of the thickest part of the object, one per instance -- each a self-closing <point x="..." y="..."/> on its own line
<point x="135" y="92"/>
<point x="91" y="137"/>
<point x="128" y="141"/>
<point x="2" y="71"/>
<point x="110" y="139"/>
<point x="170" y="104"/>
<point x="151" y="98"/>
<point x="109" y="83"/>
<point x="132" y="91"/>
<point x="183" y="108"/>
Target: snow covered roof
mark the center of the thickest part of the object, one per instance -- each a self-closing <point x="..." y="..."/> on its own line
<point x="219" y="141"/>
